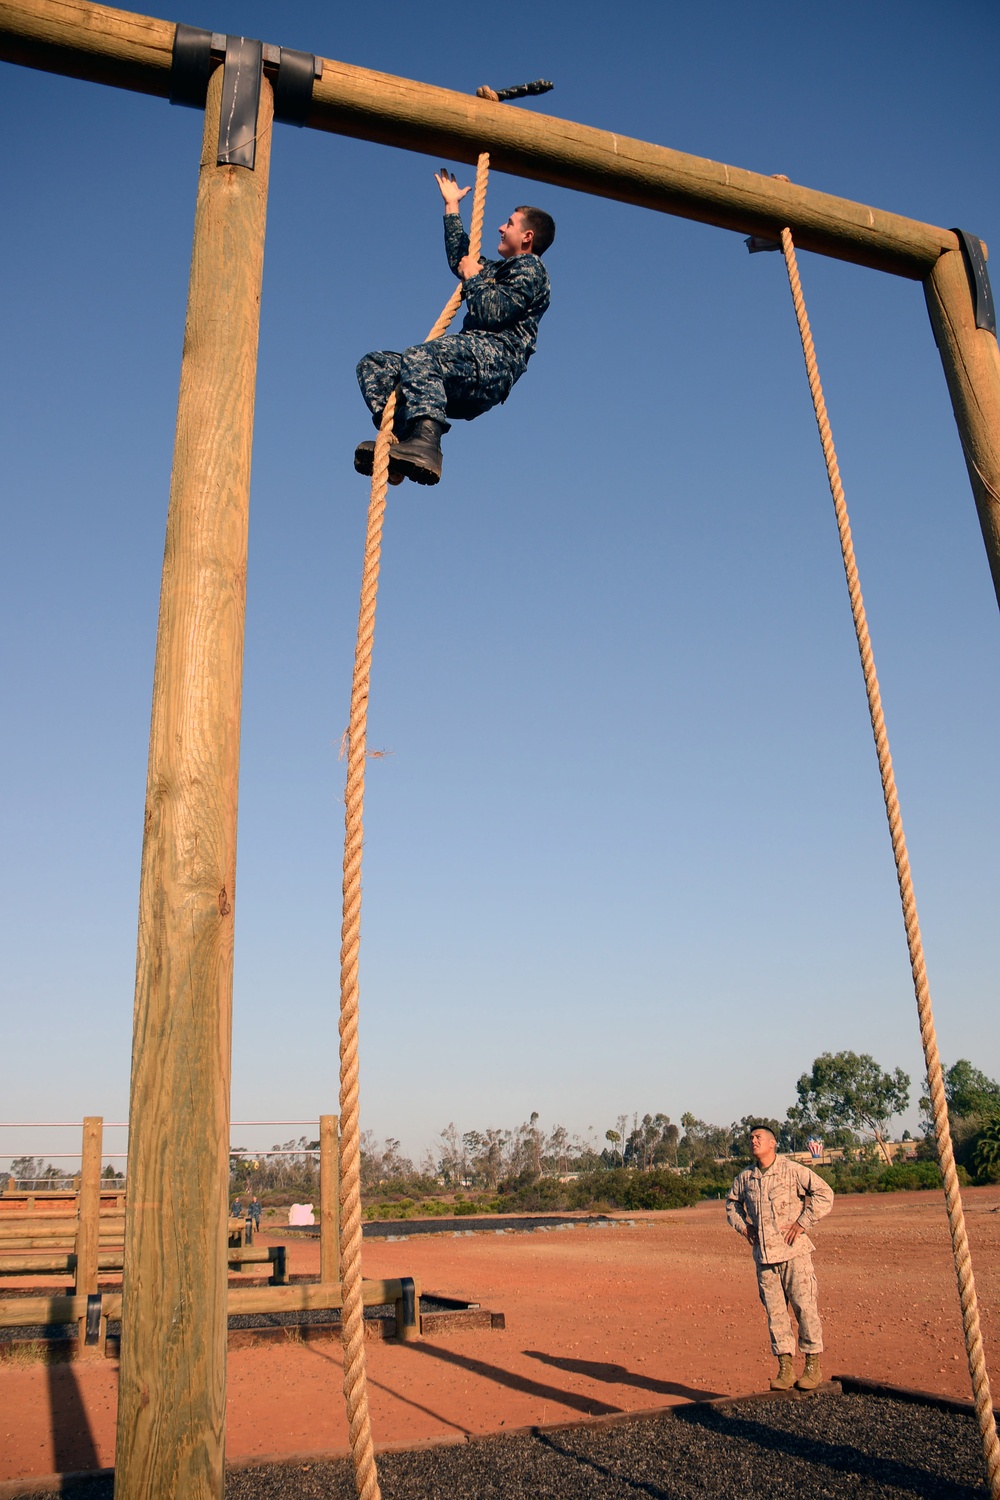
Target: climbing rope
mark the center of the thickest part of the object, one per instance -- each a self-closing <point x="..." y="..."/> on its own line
<point x="928" y="1036"/>
<point x="355" y="1377"/>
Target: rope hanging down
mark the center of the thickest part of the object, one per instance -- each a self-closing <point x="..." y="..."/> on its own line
<point x="355" y="1378"/>
<point x="928" y="1036"/>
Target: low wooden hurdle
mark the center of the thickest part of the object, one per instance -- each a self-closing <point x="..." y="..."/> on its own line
<point x="82" y="1234"/>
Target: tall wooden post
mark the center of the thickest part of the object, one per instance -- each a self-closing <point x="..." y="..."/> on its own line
<point x="329" y="1199"/>
<point x="171" y="1413"/>
<point x="971" y="362"/>
<point x="88" y="1226"/>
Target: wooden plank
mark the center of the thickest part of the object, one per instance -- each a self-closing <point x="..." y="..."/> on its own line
<point x="44" y="1234"/>
<point x="971" y="361"/>
<point x="249" y="1255"/>
<point x="329" y="1198"/>
<point x="316" y="1295"/>
<point x="25" y="1312"/>
<point x="132" y="51"/>
<point x="47" y="1265"/>
<point x="88" y="1226"/>
<point x="110" y="1208"/>
<point x="172" y="1392"/>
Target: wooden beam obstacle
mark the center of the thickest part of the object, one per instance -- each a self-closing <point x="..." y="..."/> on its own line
<point x="81" y="1235"/>
<point x="172" y="1392"/>
<point x="131" y="51"/>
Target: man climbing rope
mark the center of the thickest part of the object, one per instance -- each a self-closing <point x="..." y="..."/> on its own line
<point x="463" y="374"/>
<point x="771" y="1204"/>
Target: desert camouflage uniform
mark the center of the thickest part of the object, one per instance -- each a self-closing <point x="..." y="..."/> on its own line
<point x="768" y="1202"/>
<point x="464" y="374"/>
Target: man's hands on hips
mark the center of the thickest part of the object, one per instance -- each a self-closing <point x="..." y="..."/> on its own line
<point x="791" y="1234"/>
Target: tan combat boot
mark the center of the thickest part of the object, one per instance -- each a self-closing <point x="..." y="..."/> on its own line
<point x="785" y="1378"/>
<point x="811" y="1376"/>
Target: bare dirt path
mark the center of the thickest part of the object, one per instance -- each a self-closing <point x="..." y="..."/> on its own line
<point x="598" y="1320"/>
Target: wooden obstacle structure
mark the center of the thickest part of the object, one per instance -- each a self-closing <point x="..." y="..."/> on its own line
<point x="171" y="1425"/>
<point x="81" y="1234"/>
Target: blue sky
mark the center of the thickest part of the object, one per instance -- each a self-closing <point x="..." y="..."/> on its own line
<point x="628" y="850"/>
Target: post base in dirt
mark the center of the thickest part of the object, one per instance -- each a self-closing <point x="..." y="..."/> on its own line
<point x="88" y="1229"/>
<point x="171" y="1414"/>
<point x="329" y="1199"/>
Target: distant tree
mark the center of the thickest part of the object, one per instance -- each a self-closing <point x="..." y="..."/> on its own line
<point x="558" y="1148"/>
<point x="615" y="1138"/>
<point x="452" y="1163"/>
<point x="665" y="1150"/>
<point x="530" y="1140"/>
<point x="486" y="1155"/>
<point x="849" y="1090"/>
<point x="986" y="1156"/>
<point x="970" y="1093"/>
<point x="703" y="1144"/>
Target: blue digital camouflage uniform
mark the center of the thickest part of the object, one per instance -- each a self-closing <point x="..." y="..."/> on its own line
<point x="464" y="374"/>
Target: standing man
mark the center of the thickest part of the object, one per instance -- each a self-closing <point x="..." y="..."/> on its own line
<point x="772" y="1204"/>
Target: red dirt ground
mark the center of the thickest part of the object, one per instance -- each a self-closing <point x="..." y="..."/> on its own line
<point x="598" y="1320"/>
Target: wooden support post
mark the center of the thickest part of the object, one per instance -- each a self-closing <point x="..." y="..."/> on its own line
<point x="971" y="362"/>
<point x="329" y="1198"/>
<point x="171" y="1412"/>
<point x="88" y="1222"/>
<point x="408" y="1311"/>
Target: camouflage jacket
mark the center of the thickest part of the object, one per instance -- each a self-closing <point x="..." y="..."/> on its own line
<point x="768" y="1202"/>
<point x="505" y="301"/>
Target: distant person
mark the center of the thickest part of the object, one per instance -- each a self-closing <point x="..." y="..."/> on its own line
<point x="253" y="1212"/>
<point x="463" y="374"/>
<point x="772" y="1204"/>
<point x="237" y="1210"/>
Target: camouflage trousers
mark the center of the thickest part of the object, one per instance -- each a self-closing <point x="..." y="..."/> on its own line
<point x="460" y="376"/>
<point x="791" y="1284"/>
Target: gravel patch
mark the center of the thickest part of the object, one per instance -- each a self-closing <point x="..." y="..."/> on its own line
<point x="858" y="1446"/>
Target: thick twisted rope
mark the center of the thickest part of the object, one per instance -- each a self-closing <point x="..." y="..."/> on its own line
<point x="355" y="1378"/>
<point x="928" y="1036"/>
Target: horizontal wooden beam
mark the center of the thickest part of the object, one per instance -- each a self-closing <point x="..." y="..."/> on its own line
<point x="21" y="1312"/>
<point x="50" y="1265"/>
<point x="52" y="1230"/>
<point x="26" y="1312"/>
<point x="111" y="46"/>
<point x="308" y="1296"/>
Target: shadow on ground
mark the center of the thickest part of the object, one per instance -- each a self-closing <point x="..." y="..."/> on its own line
<point x="619" y="1375"/>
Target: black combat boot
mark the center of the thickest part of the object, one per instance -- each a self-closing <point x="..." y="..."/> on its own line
<point x="418" y="456"/>
<point x="364" y="462"/>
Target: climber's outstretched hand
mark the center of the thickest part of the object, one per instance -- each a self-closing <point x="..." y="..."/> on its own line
<point x="450" y="190"/>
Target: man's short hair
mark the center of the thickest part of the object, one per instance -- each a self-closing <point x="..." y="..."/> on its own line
<point x="542" y="224"/>
<point x="766" y="1128"/>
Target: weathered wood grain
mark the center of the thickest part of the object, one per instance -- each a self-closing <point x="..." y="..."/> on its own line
<point x="173" y="1354"/>
<point x="329" y="1198"/>
<point x="133" y="51"/>
<point x="971" y="363"/>
<point x="88" y="1225"/>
